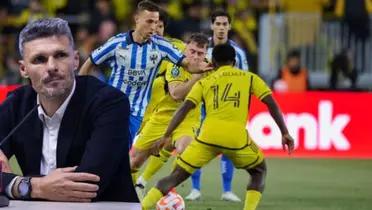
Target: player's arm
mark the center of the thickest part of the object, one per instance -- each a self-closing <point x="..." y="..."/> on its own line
<point x="179" y="90"/>
<point x="194" y="67"/>
<point x="100" y="55"/>
<point x="86" y="68"/>
<point x="276" y="114"/>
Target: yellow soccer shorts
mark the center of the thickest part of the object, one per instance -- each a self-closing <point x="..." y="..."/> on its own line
<point x="153" y="131"/>
<point x="198" y="154"/>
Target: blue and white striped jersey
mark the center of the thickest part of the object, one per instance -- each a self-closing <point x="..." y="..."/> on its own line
<point x="240" y="57"/>
<point x="134" y="66"/>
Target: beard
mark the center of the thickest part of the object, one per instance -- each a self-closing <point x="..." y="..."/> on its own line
<point x="55" y="86"/>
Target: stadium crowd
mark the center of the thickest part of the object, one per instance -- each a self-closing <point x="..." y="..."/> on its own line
<point x="95" y="21"/>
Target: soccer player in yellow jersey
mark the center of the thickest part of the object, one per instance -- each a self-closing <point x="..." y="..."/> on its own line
<point x="178" y="82"/>
<point x="226" y="94"/>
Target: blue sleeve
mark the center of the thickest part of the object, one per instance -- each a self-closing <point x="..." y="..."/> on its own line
<point x="105" y="51"/>
<point x="169" y="51"/>
<point x="242" y="62"/>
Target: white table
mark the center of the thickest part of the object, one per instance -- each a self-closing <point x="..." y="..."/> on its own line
<point x="45" y="205"/>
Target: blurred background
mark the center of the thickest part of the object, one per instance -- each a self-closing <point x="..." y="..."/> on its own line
<point x="330" y="39"/>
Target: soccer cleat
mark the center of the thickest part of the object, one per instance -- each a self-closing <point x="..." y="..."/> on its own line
<point x="194" y="195"/>
<point x="140" y="190"/>
<point x="230" y="196"/>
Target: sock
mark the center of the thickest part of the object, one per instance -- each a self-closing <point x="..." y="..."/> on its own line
<point x="252" y="198"/>
<point x="152" y="197"/>
<point x="134" y="173"/>
<point x="195" y="179"/>
<point x="155" y="164"/>
<point x="227" y="172"/>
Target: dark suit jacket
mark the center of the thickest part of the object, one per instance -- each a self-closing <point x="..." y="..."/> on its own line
<point x="93" y="136"/>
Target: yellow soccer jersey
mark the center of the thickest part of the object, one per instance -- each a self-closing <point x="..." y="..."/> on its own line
<point x="167" y="106"/>
<point x="158" y="91"/>
<point x="226" y="94"/>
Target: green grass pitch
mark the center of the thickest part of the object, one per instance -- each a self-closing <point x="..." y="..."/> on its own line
<point x="292" y="184"/>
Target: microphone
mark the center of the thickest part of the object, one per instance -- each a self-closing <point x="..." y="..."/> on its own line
<point x="4" y="201"/>
<point x="6" y="138"/>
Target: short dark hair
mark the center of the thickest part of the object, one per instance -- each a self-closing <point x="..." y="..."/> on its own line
<point x="294" y="54"/>
<point x="223" y="54"/>
<point x="163" y="17"/>
<point x="44" y="28"/>
<point x="200" y="39"/>
<point x="147" y="5"/>
<point x="218" y="13"/>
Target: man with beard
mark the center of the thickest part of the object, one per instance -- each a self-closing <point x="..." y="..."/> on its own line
<point x="66" y="127"/>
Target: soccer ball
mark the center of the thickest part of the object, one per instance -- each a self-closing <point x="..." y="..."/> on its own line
<point x="171" y="201"/>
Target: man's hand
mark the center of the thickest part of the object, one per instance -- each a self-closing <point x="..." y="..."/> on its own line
<point x="158" y="145"/>
<point x="64" y="184"/>
<point x="196" y="67"/>
<point x="205" y="66"/>
<point x="288" y="140"/>
<point x="5" y="167"/>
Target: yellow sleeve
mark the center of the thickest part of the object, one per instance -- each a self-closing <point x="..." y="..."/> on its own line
<point x="175" y="73"/>
<point x="259" y="87"/>
<point x="339" y="8"/>
<point x="163" y="67"/>
<point x="369" y="6"/>
<point x="196" y="93"/>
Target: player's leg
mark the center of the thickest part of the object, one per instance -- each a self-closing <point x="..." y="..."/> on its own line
<point x="137" y="158"/>
<point x="163" y="186"/>
<point x="180" y="145"/>
<point x="251" y="159"/>
<point x="195" y="193"/>
<point x="150" y="133"/>
<point x="182" y="141"/>
<point x="182" y="137"/>
<point x="256" y="186"/>
<point x="195" y="156"/>
<point x="134" y="125"/>
<point x="155" y="163"/>
<point x="227" y="173"/>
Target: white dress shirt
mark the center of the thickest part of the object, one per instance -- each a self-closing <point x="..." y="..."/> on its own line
<point x="51" y="127"/>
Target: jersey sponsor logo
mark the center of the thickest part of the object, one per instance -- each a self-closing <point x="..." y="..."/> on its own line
<point x="138" y="77"/>
<point x="122" y="56"/>
<point x="136" y="73"/>
<point x="175" y="72"/>
<point x="135" y="83"/>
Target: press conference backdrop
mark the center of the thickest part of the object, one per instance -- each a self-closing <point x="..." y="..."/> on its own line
<point x="323" y="124"/>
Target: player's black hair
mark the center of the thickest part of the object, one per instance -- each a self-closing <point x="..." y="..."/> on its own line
<point x="163" y="17"/>
<point x="293" y="54"/>
<point x="223" y="54"/>
<point x="218" y="13"/>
